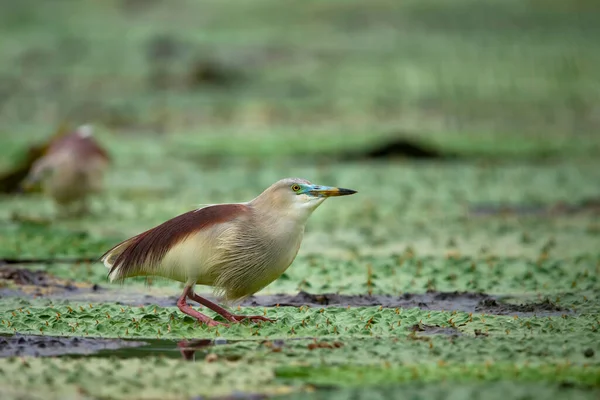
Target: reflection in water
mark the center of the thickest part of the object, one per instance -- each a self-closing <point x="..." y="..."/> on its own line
<point x="75" y="347"/>
<point x="188" y="348"/>
<point x="157" y="347"/>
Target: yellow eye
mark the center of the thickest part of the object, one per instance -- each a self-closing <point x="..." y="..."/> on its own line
<point x="295" y="187"/>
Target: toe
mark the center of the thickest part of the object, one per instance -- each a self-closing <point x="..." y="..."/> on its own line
<point x="216" y="323"/>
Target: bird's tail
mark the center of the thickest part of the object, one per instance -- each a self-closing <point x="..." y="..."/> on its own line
<point x="110" y="257"/>
<point x="41" y="169"/>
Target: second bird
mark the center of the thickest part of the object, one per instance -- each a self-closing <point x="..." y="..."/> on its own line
<point x="71" y="171"/>
<point x="237" y="248"/>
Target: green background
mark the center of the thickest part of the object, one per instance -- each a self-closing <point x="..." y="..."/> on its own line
<point x="510" y="87"/>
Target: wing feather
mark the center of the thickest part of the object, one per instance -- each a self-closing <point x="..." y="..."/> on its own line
<point x="143" y="253"/>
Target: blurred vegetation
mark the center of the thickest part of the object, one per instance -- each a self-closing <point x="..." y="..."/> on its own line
<point x="308" y="75"/>
<point x="203" y="102"/>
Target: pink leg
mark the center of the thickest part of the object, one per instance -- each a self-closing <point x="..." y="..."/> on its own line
<point x="186" y="309"/>
<point x="224" y="313"/>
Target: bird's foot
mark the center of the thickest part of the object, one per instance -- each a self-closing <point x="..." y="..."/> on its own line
<point x="253" y="318"/>
<point x="212" y="322"/>
<point x="223" y="312"/>
<point x="203" y="319"/>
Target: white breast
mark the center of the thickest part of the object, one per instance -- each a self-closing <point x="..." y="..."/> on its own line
<point x="250" y="260"/>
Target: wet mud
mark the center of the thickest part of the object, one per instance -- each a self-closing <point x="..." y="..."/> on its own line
<point x="426" y="330"/>
<point x="16" y="281"/>
<point x="23" y="276"/>
<point x="434" y="301"/>
<point x="28" y="283"/>
<point x="438" y="301"/>
<point x="492" y="306"/>
<point x="44" y="346"/>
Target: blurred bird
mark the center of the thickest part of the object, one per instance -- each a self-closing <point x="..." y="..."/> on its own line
<point x="71" y="170"/>
<point x="11" y="180"/>
<point x="237" y="248"/>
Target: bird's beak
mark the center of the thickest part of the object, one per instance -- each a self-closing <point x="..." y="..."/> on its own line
<point x="328" y="191"/>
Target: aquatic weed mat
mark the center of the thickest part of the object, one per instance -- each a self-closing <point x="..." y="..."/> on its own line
<point x="312" y="86"/>
<point x="483" y="283"/>
<point x="495" y="390"/>
<point x="313" y="367"/>
<point x="110" y="378"/>
<point x="309" y="349"/>
<point x="427" y="207"/>
<point x="524" y="289"/>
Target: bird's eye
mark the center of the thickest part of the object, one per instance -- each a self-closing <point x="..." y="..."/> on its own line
<point x="295" y="187"/>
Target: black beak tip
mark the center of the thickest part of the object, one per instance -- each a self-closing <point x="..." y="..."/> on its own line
<point x="347" y="191"/>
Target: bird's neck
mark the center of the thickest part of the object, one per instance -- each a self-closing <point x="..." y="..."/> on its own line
<point x="284" y="232"/>
<point x="286" y="221"/>
<point x="277" y="222"/>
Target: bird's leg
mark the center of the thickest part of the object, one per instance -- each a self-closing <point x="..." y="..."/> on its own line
<point x="186" y="309"/>
<point x="224" y="313"/>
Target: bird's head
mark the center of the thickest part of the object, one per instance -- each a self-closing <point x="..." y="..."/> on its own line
<point x="297" y="196"/>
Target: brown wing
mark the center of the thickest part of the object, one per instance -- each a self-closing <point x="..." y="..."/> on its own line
<point x="133" y="256"/>
<point x="83" y="146"/>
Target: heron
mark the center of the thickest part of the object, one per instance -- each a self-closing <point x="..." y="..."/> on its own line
<point x="71" y="170"/>
<point x="237" y="248"/>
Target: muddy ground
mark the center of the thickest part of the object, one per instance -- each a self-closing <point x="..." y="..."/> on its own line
<point x="40" y="284"/>
<point x="44" y="346"/>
